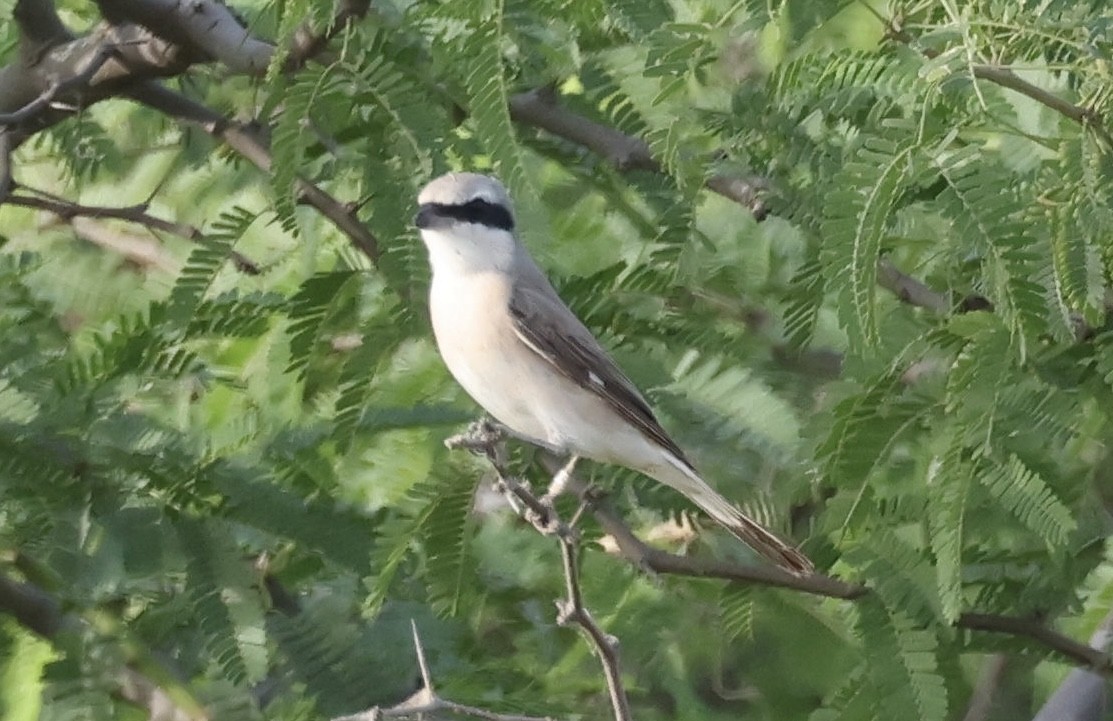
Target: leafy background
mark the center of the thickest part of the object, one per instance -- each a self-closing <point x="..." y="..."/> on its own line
<point x="234" y="482"/>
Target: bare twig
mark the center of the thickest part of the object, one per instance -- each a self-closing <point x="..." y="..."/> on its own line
<point x="68" y="211"/>
<point x="1079" y="653"/>
<point x="910" y="290"/>
<point x="485" y="438"/>
<point x="59" y="87"/>
<point x="245" y="141"/>
<point x="540" y="108"/>
<point x="422" y="663"/>
<point x="571" y="610"/>
<point x="981" y="698"/>
<point x="40" y="612"/>
<point x="426" y="701"/>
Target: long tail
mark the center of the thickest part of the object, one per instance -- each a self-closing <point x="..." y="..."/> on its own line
<point x="683" y="478"/>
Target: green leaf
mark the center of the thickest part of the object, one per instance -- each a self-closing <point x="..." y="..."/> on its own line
<point x="947" y="482"/>
<point x="856" y="216"/>
<point x="227" y="608"/>
<point x="902" y="664"/>
<point x="736" y="608"/>
<point x="1025" y="495"/>
<point x="489" y="103"/>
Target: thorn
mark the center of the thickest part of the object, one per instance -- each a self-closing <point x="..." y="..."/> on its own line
<point x="422" y="665"/>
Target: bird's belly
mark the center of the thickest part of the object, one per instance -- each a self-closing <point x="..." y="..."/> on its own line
<point x="520" y="388"/>
<point x="477" y="342"/>
<point x="501" y="386"/>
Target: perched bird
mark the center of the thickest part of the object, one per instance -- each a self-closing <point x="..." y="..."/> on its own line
<point x="522" y="355"/>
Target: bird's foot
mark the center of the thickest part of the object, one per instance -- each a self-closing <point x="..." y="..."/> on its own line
<point x="480" y="437"/>
<point x="534" y="510"/>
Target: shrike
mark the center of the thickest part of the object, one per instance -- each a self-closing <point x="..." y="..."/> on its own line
<point x="521" y="354"/>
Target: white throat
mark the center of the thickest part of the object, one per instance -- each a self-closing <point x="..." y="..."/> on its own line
<point x="467" y="248"/>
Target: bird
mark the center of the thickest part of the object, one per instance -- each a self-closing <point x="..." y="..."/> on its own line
<point x="521" y="354"/>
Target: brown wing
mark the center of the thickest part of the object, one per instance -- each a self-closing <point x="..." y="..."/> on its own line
<point x="546" y="325"/>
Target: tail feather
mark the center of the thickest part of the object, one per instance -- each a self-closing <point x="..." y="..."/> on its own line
<point x="684" y="479"/>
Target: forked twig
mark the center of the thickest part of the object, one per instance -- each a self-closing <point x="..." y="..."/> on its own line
<point x="426" y="701"/>
<point x="486" y="439"/>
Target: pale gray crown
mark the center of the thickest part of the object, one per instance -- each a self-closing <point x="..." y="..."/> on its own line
<point x="459" y="188"/>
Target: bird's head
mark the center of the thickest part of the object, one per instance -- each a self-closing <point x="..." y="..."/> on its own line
<point x="466" y="221"/>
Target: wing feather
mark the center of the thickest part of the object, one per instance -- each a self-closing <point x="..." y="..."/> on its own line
<point x="552" y="331"/>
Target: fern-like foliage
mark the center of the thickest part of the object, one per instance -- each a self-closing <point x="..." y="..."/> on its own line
<point x="226" y="607"/>
<point x="234" y="483"/>
<point x="994" y="220"/>
<point x="948" y="480"/>
<point x="857" y="216"/>
<point x="1024" y="494"/>
<point x="902" y="664"/>
<point x="293" y="135"/>
<point x="488" y="92"/>
<point x="207" y="259"/>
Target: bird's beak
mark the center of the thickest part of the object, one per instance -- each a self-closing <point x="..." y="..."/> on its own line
<point x="426" y="216"/>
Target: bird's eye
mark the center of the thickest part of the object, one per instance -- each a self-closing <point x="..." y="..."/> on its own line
<point x="476" y="211"/>
<point x="486" y="213"/>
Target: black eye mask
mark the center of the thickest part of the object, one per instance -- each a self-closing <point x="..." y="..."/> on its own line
<point x="478" y="211"/>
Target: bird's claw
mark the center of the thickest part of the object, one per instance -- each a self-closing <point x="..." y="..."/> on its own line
<point x="481" y="437"/>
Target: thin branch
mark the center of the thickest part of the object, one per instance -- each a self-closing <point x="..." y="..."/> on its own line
<point x="1082" y="695"/>
<point x="909" y="290"/>
<point x="67" y="211"/>
<point x="645" y="557"/>
<point x="246" y="141"/>
<point x="485" y="438"/>
<point x="41" y="613"/>
<point x="1006" y="78"/>
<point x="571" y="610"/>
<point x="638" y="554"/>
<point x="1079" y="653"/>
<point x="426" y="701"/>
<point x="206" y="26"/>
<point x="540" y="108"/>
<point x="58" y="87"/>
